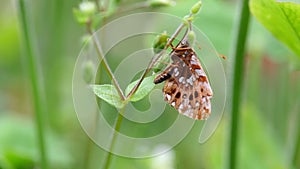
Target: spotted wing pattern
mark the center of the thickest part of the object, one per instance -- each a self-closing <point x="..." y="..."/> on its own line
<point x="187" y="88"/>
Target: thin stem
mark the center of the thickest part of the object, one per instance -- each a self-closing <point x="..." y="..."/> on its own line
<point x="155" y="59"/>
<point x="104" y="62"/>
<point x="117" y="126"/>
<point x="296" y="154"/>
<point x="32" y="69"/>
<point x="238" y="55"/>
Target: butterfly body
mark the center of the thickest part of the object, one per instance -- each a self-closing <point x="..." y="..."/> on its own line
<point x="186" y="88"/>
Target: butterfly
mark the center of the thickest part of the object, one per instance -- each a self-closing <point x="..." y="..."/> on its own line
<point x="186" y="87"/>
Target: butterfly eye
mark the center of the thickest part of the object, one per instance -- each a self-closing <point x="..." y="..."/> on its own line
<point x="184" y="43"/>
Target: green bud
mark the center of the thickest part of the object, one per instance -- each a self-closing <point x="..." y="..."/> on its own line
<point x="191" y="37"/>
<point x="160" y="42"/>
<point x="195" y="9"/>
<point x="191" y="18"/>
<point x="85" y="12"/>
<point x="88" y="7"/>
<point x="161" y="3"/>
<point x="88" y="71"/>
<point x="185" y="20"/>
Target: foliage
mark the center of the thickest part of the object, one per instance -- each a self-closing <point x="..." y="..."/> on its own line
<point x="18" y="148"/>
<point x="146" y="87"/>
<point x="282" y="19"/>
<point x="109" y="93"/>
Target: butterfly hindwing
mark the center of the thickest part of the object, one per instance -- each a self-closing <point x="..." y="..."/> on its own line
<point x="186" y="85"/>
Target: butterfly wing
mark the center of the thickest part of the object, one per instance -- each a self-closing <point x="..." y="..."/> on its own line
<point x="187" y="88"/>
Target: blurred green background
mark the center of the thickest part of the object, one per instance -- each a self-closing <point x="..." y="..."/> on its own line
<point x="269" y="130"/>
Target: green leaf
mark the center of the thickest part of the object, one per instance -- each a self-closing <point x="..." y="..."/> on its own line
<point x="109" y="94"/>
<point x="19" y="148"/>
<point x="282" y="19"/>
<point x="19" y="159"/>
<point x="145" y="88"/>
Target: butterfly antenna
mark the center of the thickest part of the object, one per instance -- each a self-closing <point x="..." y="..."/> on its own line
<point x="213" y="51"/>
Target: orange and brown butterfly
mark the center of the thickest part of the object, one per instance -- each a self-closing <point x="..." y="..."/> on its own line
<point x="186" y="88"/>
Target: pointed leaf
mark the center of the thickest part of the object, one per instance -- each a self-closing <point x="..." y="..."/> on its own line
<point x="145" y="88"/>
<point x="282" y="19"/>
<point x="109" y="94"/>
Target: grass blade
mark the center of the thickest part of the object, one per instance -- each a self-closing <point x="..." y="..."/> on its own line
<point x="238" y="55"/>
<point x="32" y="69"/>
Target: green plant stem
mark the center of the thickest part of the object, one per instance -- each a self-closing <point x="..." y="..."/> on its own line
<point x="296" y="152"/>
<point x="117" y="126"/>
<point x="104" y="62"/>
<point x="238" y="55"/>
<point x="155" y="59"/>
<point x="32" y="69"/>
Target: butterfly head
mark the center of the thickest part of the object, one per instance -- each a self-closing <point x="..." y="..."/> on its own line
<point x="184" y="44"/>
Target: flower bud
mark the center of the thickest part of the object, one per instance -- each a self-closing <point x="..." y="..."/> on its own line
<point x="191" y="37"/>
<point x="160" y="42"/>
<point x="195" y="9"/>
<point x="85" y="12"/>
<point x="88" y="71"/>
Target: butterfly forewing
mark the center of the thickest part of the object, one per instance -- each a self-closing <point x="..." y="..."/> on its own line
<point x="187" y="88"/>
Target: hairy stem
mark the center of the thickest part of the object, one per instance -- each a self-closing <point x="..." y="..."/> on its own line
<point x="104" y="62"/>
<point x="238" y="55"/>
<point x="32" y="69"/>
